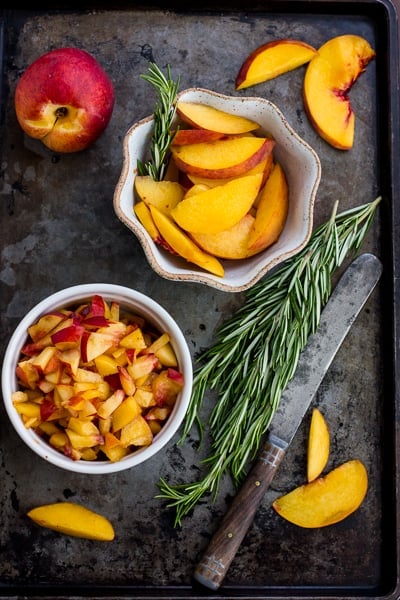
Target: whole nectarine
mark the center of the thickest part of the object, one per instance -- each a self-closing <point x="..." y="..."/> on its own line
<point x="65" y="99"/>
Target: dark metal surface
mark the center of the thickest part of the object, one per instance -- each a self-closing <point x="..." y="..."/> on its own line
<point x="58" y="228"/>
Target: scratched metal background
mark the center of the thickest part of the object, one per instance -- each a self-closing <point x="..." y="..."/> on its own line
<point x="58" y="229"/>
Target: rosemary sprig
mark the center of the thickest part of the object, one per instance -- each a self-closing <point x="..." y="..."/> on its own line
<point x="164" y="114"/>
<point x="256" y="354"/>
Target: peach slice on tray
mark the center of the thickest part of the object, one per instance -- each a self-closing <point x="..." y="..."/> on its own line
<point x="329" y="78"/>
<point x="326" y="500"/>
<point x="73" y="519"/>
<point x="273" y="59"/>
<point x="218" y="208"/>
<point x="203" y="116"/>
<point x="229" y="157"/>
<point x="318" y="445"/>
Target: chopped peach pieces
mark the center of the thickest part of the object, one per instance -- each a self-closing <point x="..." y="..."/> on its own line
<point x="92" y="392"/>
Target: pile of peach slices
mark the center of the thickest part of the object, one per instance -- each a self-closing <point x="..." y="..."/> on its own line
<point x="224" y="195"/>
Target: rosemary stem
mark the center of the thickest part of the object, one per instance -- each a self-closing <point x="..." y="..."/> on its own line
<point x="257" y="350"/>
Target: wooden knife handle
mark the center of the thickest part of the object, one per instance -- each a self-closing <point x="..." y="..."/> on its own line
<point x="223" y="546"/>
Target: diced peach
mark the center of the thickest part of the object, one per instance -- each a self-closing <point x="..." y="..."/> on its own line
<point x="106" y="365"/>
<point x="136" y="433"/>
<point x="128" y="410"/>
<point x="165" y="388"/>
<point x="107" y="407"/>
<point x="83" y="426"/>
<point x="115" y="453"/>
<point x="83" y="441"/>
<point x="144" y="398"/>
<point x="134" y="340"/>
<point x="42" y="359"/>
<point x="127" y="382"/>
<point x="27" y="373"/>
<point x="45" y="325"/>
<point x="143" y="365"/>
<point x="71" y="357"/>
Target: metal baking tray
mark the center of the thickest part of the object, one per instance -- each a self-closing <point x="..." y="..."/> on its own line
<point x="58" y="228"/>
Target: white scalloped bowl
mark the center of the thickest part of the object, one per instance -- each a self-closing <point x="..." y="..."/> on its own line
<point x="299" y="161"/>
<point x="132" y="301"/>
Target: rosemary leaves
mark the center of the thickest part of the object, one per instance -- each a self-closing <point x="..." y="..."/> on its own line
<point x="164" y="114"/>
<point x="256" y="354"/>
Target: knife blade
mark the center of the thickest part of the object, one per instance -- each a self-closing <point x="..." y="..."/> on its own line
<point x="337" y="317"/>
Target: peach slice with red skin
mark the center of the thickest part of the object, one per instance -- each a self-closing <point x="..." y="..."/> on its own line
<point x="273" y="59"/>
<point x="326" y="500"/>
<point x="195" y="136"/>
<point x="142" y="211"/>
<point x="229" y="157"/>
<point x="264" y="167"/>
<point x="329" y="78"/>
<point x="203" y="116"/>
<point x="218" y="208"/>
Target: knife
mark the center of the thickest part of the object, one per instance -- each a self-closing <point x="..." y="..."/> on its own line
<point x="341" y="310"/>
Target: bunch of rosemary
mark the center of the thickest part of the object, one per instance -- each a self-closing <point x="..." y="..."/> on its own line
<point x="164" y="113"/>
<point x="256" y="354"/>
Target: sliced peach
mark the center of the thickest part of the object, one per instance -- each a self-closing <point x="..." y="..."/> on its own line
<point x="183" y="245"/>
<point x="229" y="157"/>
<point x="318" y="445"/>
<point x="195" y="136"/>
<point x="231" y="243"/>
<point x="218" y="208"/>
<point x="197" y="188"/>
<point x="262" y="167"/>
<point x="162" y="194"/>
<point x="328" y="80"/>
<point x="327" y="500"/>
<point x="203" y="116"/>
<point x="73" y="519"/>
<point x="272" y="210"/>
<point x="273" y="59"/>
<point x="143" y="213"/>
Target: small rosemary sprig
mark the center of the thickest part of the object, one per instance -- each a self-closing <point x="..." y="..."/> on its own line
<point x="256" y="354"/>
<point x="164" y="114"/>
